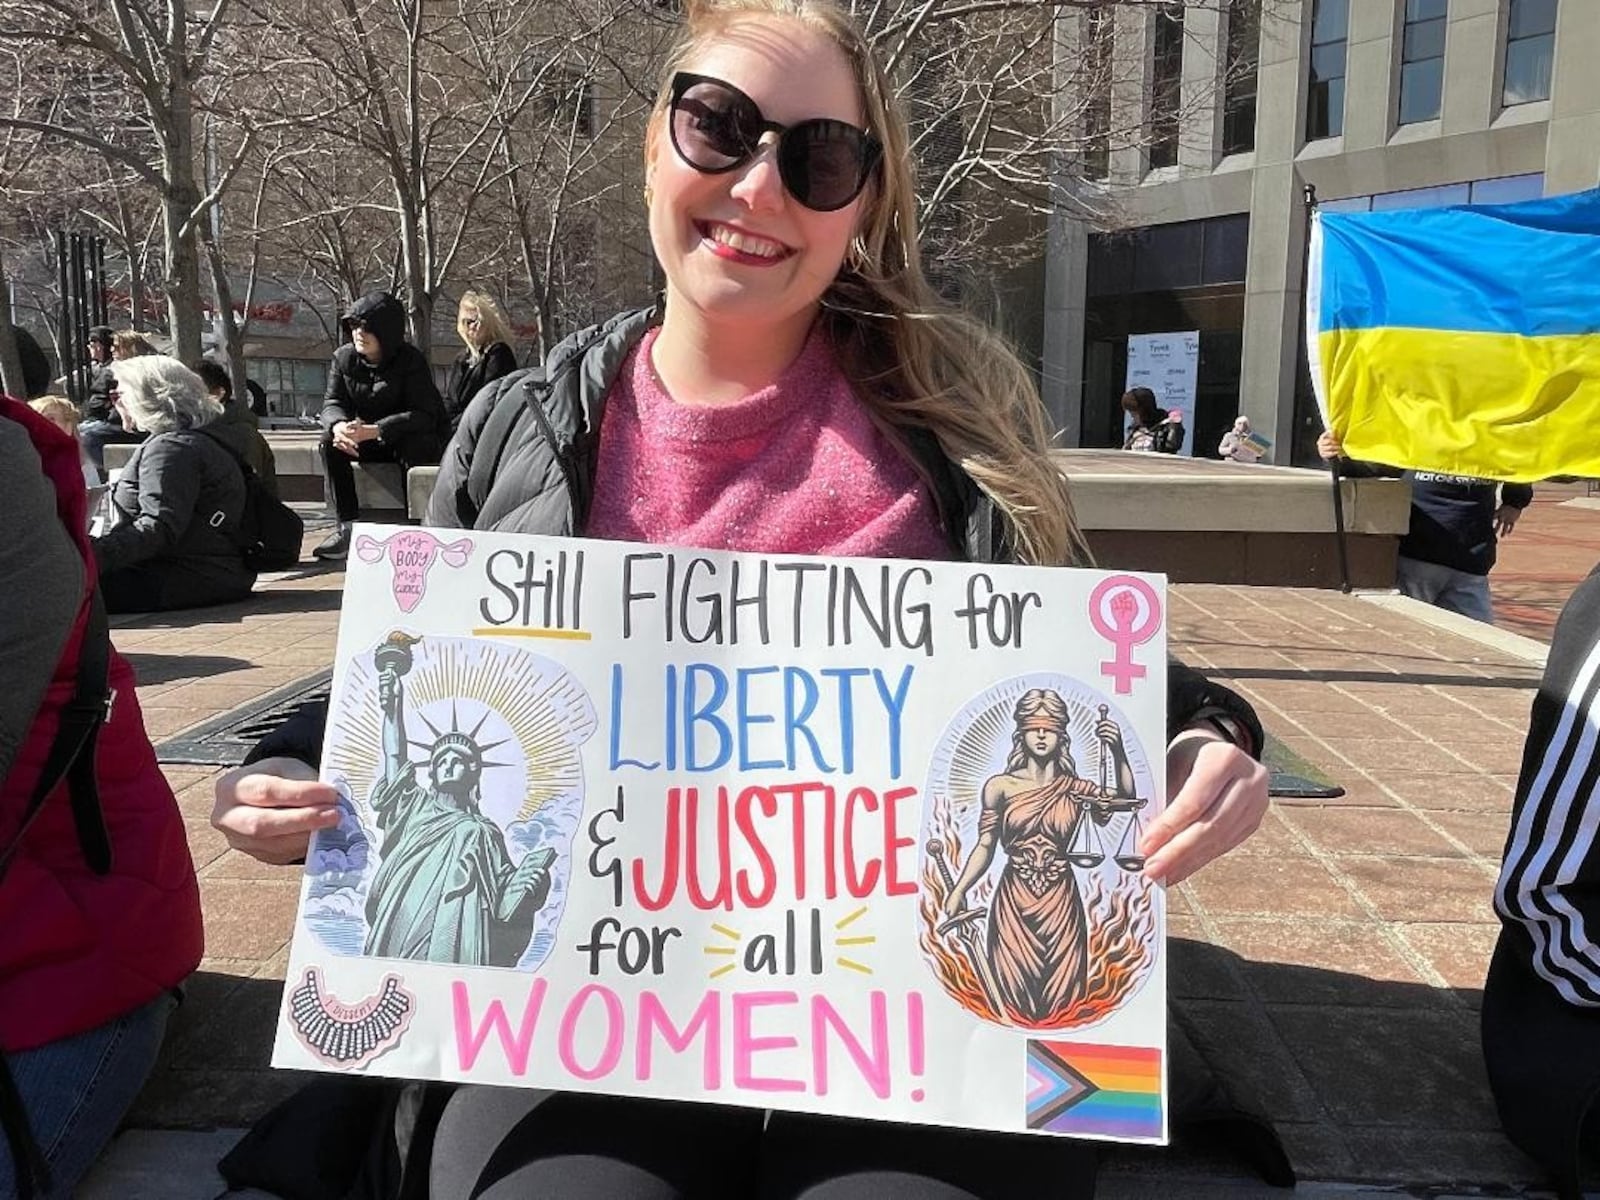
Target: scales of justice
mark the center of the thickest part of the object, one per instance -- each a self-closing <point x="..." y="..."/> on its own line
<point x="1086" y="850"/>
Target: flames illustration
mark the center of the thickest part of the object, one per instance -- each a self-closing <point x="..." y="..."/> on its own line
<point x="1121" y="925"/>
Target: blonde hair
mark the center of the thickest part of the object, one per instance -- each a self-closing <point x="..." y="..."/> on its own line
<point x="130" y="343"/>
<point x="916" y="360"/>
<point x="492" y="324"/>
<point x="161" y="394"/>
<point x="58" y="409"/>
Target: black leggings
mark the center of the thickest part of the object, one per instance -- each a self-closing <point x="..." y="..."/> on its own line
<point x="505" y="1143"/>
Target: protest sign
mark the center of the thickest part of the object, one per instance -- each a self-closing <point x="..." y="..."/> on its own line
<point x="847" y="836"/>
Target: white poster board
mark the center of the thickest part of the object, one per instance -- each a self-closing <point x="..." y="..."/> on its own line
<point x="844" y="836"/>
<point x="1169" y="365"/>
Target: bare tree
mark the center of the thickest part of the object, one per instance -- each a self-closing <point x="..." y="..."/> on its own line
<point x="157" y="53"/>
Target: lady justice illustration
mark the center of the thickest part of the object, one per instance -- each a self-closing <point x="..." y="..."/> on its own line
<point x="1034" y="958"/>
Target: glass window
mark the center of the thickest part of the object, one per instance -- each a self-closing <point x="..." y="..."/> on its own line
<point x="1421" y="85"/>
<point x="1330" y="20"/>
<point x="1111" y="258"/>
<point x="1509" y="189"/>
<point x="1227" y="249"/>
<point x="1422" y="60"/>
<point x="1169" y="256"/>
<point x="1097" y="48"/>
<point x="1239" y="79"/>
<point x="1505" y="190"/>
<point x="1348" y="204"/>
<point x="1166" y="86"/>
<point x="1530" y="51"/>
<point x="294" y="386"/>
<point x="1428" y="197"/>
<point x="1532" y="18"/>
<point x="1160" y="258"/>
<point x="1330" y="23"/>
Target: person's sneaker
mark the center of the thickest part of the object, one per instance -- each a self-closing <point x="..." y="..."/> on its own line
<point x="336" y="546"/>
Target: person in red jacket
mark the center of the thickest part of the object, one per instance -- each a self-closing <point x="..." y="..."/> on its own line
<point x="99" y="907"/>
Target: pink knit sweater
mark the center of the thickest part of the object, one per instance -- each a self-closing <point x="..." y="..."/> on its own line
<point x="795" y="468"/>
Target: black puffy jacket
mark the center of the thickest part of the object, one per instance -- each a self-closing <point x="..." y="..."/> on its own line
<point x="397" y="394"/>
<point x="178" y="501"/>
<point x="468" y="378"/>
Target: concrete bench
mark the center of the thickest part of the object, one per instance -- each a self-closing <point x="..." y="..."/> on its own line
<point x="298" y="461"/>
<point x="1204" y="521"/>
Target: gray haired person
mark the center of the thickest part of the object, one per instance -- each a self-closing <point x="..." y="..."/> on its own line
<point x="174" y="539"/>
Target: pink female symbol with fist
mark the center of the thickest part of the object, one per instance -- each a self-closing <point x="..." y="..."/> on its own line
<point x="1115" y="612"/>
<point x="412" y="553"/>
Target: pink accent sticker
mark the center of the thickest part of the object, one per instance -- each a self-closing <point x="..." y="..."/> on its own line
<point x="1126" y="611"/>
<point x="411" y="554"/>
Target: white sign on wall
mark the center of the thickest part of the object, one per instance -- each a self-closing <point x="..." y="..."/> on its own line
<point x="1169" y="365"/>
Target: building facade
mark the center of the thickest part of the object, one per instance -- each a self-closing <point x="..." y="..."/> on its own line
<point x="1235" y="108"/>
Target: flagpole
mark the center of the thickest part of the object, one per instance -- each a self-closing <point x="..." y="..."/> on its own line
<point x="1333" y="463"/>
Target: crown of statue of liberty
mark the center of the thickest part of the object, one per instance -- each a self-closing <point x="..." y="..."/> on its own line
<point x="462" y="743"/>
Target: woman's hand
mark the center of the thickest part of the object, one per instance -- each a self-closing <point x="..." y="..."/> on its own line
<point x="1216" y="798"/>
<point x="270" y="809"/>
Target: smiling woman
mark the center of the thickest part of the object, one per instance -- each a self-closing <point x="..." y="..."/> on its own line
<point x="801" y="390"/>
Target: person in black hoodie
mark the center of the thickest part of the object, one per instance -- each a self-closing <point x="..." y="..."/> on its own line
<point x="381" y="406"/>
<point x="1456" y="522"/>
<point x="488" y="355"/>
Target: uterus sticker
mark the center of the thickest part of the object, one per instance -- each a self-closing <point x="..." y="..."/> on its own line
<point x="411" y="554"/>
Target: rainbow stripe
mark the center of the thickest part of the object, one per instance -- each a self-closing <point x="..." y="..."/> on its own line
<point x="1095" y="1090"/>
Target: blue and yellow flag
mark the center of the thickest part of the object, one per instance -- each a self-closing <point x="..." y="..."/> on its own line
<point x="1462" y="340"/>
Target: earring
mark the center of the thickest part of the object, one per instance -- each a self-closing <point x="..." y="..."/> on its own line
<point x="649" y="194"/>
<point x="856" y="257"/>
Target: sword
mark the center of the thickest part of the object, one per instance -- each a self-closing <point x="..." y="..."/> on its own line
<point x="965" y="926"/>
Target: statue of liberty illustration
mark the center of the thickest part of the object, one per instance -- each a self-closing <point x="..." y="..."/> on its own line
<point x="447" y="890"/>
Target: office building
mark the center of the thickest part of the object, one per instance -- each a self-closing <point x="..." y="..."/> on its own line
<point x="1238" y="105"/>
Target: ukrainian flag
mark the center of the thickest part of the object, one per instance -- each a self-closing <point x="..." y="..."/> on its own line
<point x="1462" y="340"/>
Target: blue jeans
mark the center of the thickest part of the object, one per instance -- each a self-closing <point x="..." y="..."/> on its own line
<point x="76" y="1092"/>
<point x="1445" y="587"/>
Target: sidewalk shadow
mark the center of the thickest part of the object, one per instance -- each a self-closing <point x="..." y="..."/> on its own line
<point x="151" y="668"/>
<point x="1364" y="1080"/>
<point x="274" y="602"/>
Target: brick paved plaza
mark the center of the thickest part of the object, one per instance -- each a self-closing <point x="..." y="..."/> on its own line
<point x="1330" y="968"/>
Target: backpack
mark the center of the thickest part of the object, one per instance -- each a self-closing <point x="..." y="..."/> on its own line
<point x="270" y="532"/>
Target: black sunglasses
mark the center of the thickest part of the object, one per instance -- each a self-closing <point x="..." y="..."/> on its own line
<point x="716" y="128"/>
